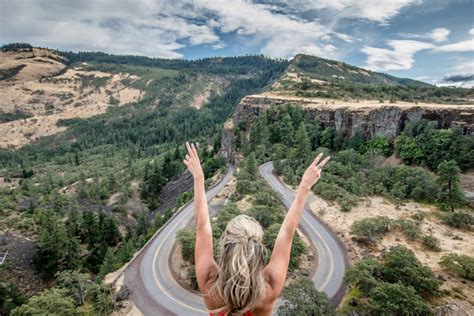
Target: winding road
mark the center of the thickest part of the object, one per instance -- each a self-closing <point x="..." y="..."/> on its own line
<point x="156" y="292"/>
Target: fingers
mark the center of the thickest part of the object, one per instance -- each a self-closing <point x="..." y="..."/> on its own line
<point x="189" y="149"/>
<point x="322" y="163"/>
<point x="194" y="150"/>
<point x="316" y="160"/>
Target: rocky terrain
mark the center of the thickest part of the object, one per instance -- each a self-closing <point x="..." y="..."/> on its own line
<point x="368" y="117"/>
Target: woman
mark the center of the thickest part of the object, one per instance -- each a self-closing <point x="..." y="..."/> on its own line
<point x="241" y="283"/>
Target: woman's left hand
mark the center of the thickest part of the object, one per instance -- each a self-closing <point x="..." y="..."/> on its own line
<point x="192" y="162"/>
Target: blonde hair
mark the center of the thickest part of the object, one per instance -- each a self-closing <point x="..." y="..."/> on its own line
<point x="239" y="280"/>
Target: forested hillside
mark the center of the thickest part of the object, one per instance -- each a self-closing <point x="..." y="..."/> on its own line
<point x="85" y="198"/>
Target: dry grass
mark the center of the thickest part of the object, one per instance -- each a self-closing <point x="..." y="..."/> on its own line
<point x="451" y="240"/>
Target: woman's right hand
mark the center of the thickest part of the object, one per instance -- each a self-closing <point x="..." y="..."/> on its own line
<point x="193" y="163"/>
<point x="313" y="173"/>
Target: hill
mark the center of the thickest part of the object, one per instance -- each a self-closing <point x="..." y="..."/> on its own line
<point x="311" y="76"/>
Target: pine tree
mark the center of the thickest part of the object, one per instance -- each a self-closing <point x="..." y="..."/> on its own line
<point x="450" y="196"/>
<point x="286" y="130"/>
<point x="303" y="145"/>
<point x="251" y="166"/>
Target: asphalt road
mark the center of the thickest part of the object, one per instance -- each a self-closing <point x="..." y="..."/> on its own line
<point x="156" y="292"/>
<point x="332" y="261"/>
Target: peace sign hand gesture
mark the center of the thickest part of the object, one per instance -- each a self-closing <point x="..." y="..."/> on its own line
<point x="193" y="163"/>
<point x="313" y="173"/>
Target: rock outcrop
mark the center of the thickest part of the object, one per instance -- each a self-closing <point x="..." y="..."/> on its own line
<point x="369" y="117"/>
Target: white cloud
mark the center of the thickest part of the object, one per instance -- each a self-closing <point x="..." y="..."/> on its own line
<point x="439" y="34"/>
<point x="400" y="57"/>
<point x="373" y="10"/>
<point x="471" y="31"/>
<point x="463" y="46"/>
<point x="162" y="27"/>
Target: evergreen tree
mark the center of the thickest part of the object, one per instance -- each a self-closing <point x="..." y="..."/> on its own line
<point x="251" y="166"/>
<point x="286" y="130"/>
<point x="303" y="146"/>
<point x="111" y="234"/>
<point x="450" y="196"/>
<point x="52" y="245"/>
<point x="152" y="184"/>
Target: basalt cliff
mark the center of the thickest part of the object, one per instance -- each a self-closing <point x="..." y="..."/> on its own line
<point x="370" y="118"/>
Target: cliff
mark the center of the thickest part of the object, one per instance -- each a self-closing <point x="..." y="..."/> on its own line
<point x="369" y="117"/>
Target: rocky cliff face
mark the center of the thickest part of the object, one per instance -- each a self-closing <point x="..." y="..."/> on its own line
<point x="369" y="117"/>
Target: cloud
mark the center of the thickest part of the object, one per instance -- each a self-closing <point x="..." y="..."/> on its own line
<point x="439" y="34"/>
<point x="463" y="46"/>
<point x="400" y="57"/>
<point x="371" y="10"/>
<point x="161" y="28"/>
<point x="457" y="80"/>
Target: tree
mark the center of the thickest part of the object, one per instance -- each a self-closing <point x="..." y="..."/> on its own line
<point x="152" y="184"/>
<point x="110" y="232"/>
<point x="251" y="166"/>
<point x="52" y="245"/>
<point x="74" y="283"/>
<point x="187" y="240"/>
<point x="407" y="149"/>
<point x="49" y="302"/>
<point x="459" y="220"/>
<point x="396" y="299"/>
<point x="401" y="265"/>
<point x="286" y="130"/>
<point x="302" y="298"/>
<point x="365" y="274"/>
<point x="297" y="245"/>
<point x="102" y="298"/>
<point x="266" y="215"/>
<point x="372" y="228"/>
<point x="450" y="196"/>
<point x="303" y="145"/>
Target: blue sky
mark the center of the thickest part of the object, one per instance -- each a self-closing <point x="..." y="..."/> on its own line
<point x="430" y="40"/>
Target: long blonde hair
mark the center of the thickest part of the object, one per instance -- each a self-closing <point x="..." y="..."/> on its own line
<point x="239" y="280"/>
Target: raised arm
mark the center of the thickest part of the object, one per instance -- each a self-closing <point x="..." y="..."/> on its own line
<point x="203" y="252"/>
<point x="278" y="265"/>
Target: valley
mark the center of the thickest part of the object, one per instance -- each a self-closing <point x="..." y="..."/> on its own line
<point x="91" y="150"/>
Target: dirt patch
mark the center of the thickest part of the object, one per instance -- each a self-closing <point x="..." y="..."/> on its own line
<point x="173" y="190"/>
<point x="18" y="265"/>
<point x="57" y="93"/>
<point x="451" y="240"/>
<point x="201" y="98"/>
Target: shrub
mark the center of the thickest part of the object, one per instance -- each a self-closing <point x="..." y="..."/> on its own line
<point x="409" y="228"/>
<point x="461" y="265"/>
<point x="187" y="240"/>
<point x="372" y="228"/>
<point x="431" y="242"/>
<point x="396" y="299"/>
<point x="364" y="275"/>
<point x="302" y="298"/>
<point x="401" y="265"/>
<point x="459" y="220"/>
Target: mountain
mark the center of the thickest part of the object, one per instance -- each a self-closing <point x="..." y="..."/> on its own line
<point x="315" y="77"/>
<point x="327" y="70"/>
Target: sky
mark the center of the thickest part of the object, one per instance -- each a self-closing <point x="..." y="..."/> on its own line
<point x="428" y="40"/>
